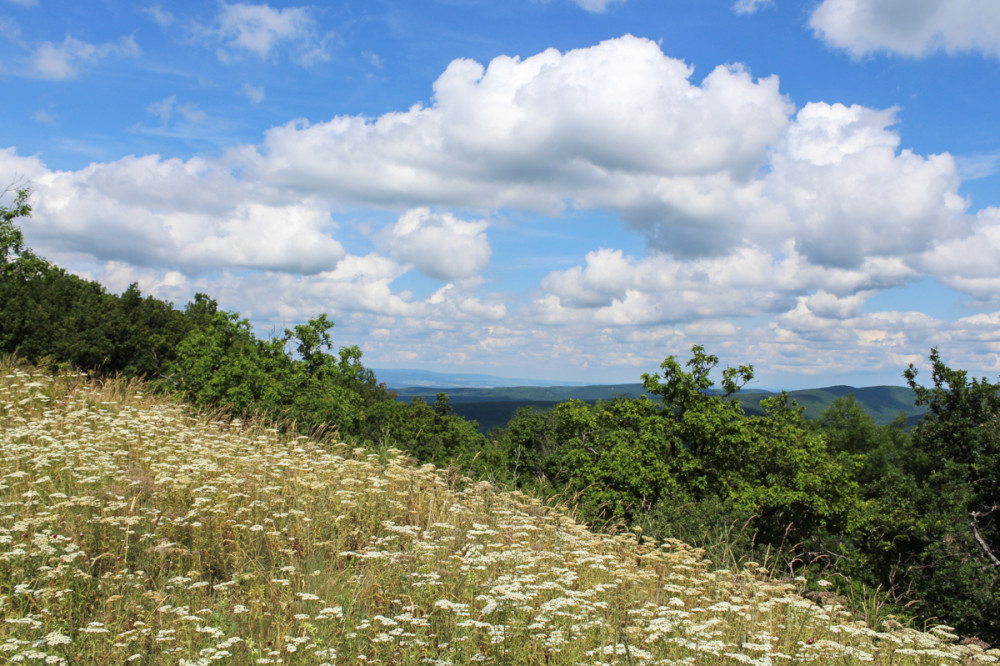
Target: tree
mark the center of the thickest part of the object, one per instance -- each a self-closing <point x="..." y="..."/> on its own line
<point x="956" y="572"/>
<point x="432" y="433"/>
<point x="619" y="456"/>
<point x="45" y="312"/>
<point x="769" y="465"/>
<point x="709" y="425"/>
<point x="144" y="333"/>
<point x="11" y="238"/>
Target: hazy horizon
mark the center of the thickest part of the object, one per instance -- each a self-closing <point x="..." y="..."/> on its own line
<point x="465" y="380"/>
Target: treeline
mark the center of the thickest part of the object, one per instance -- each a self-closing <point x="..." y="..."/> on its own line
<point x="913" y="513"/>
<point x="51" y="317"/>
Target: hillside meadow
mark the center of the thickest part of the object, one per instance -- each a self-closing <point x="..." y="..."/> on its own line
<point x="135" y="531"/>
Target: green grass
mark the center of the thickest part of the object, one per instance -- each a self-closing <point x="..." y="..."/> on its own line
<point x="133" y="531"/>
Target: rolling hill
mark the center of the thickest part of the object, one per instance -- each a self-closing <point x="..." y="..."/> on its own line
<point x="494" y="406"/>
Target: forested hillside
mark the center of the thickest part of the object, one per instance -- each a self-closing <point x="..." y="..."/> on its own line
<point x="493" y="407"/>
<point x="912" y="514"/>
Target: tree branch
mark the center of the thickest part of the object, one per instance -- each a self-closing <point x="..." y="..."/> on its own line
<point x="974" y="525"/>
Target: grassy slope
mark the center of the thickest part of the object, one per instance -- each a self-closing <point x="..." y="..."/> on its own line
<point x="134" y="532"/>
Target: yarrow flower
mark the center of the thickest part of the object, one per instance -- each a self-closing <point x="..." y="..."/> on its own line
<point x="55" y="638"/>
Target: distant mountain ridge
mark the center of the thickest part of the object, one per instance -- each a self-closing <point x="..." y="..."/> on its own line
<point x="492" y="401"/>
<point x="402" y="379"/>
<point x="882" y="403"/>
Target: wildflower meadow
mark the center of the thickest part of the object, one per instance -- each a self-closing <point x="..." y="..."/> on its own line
<point x="134" y="531"/>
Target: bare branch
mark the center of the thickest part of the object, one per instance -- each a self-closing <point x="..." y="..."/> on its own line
<point x="974" y="525"/>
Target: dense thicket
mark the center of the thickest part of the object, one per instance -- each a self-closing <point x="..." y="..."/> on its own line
<point x="914" y="513"/>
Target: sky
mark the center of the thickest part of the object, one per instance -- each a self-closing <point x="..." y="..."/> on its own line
<point x="553" y="189"/>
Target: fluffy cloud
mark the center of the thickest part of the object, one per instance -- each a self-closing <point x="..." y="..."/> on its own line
<point x="538" y="132"/>
<point x="191" y="215"/>
<point x="969" y="263"/>
<point x="260" y="30"/>
<point x="618" y="290"/>
<point x="705" y="171"/>
<point x="698" y="169"/>
<point x="57" y="62"/>
<point x="840" y="187"/>
<point x="439" y="244"/>
<point x="913" y="28"/>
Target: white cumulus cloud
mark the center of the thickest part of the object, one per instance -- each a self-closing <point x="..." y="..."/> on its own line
<point x="439" y="244"/>
<point x="618" y="125"/>
<point x="843" y="189"/>
<point x="193" y="215"/>
<point x="912" y="28"/>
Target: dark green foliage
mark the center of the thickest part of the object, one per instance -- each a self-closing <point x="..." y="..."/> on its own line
<point x="432" y="433"/>
<point x="926" y="527"/>
<point x="144" y="333"/>
<point x="47" y="314"/>
<point x="529" y="448"/>
<point x="956" y="572"/>
<point x="631" y="460"/>
<point x="619" y="456"/>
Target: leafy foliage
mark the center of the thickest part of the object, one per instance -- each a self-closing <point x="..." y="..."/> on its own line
<point x="49" y="314"/>
<point x="11" y="238"/>
<point x="955" y="564"/>
<point x="628" y="459"/>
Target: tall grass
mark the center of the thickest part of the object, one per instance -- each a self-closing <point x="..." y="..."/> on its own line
<point x="132" y="531"/>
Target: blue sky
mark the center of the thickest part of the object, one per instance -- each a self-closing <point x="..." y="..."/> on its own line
<point x="556" y="189"/>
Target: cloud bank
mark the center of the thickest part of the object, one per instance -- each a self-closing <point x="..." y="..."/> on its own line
<point x="775" y="221"/>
